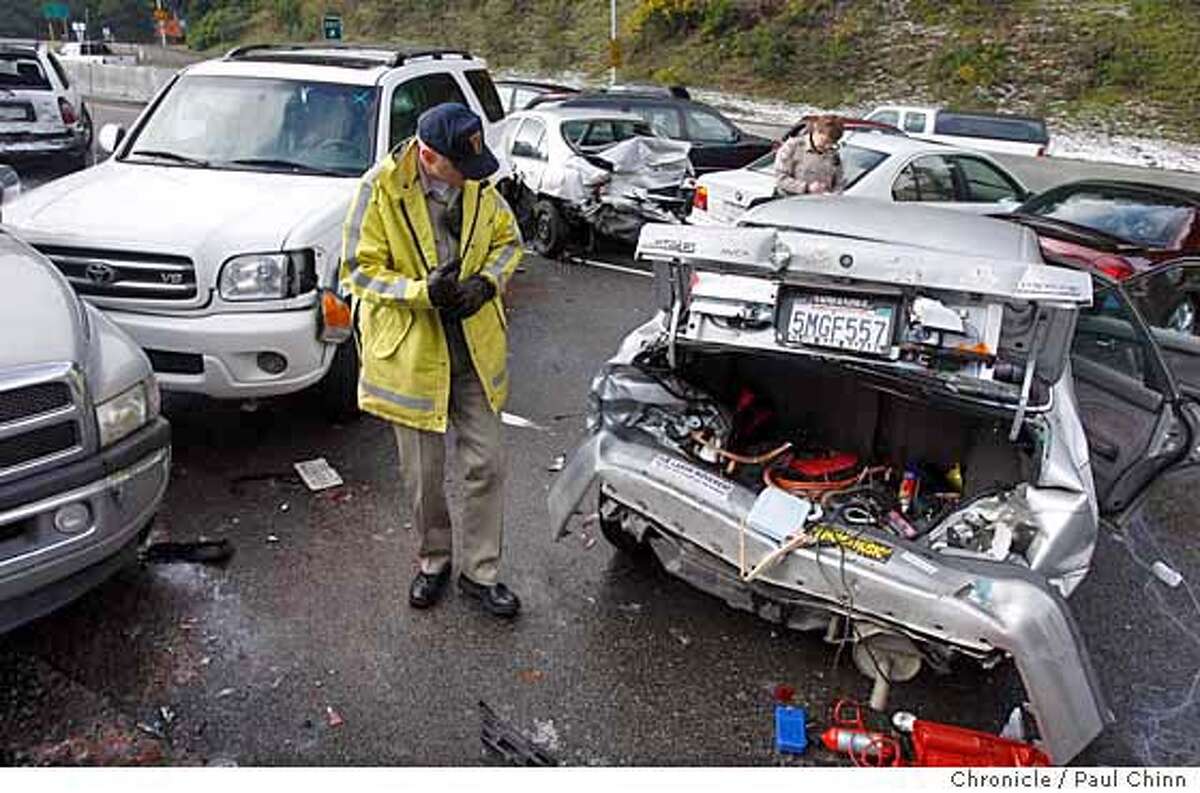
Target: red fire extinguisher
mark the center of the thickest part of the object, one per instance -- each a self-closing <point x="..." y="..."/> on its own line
<point x="942" y="745"/>
<point x="849" y="735"/>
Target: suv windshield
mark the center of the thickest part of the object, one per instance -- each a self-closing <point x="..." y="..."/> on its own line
<point x="1151" y="221"/>
<point x="21" y="71"/>
<point x="857" y="162"/>
<point x="269" y="124"/>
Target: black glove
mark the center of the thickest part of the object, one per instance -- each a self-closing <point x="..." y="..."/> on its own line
<point x="476" y="291"/>
<point x="445" y="292"/>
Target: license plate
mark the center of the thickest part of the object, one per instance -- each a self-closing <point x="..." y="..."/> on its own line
<point x="842" y="323"/>
<point x="14" y="113"/>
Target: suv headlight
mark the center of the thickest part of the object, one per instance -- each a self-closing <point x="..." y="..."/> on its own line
<point x="128" y="411"/>
<point x="267" y="276"/>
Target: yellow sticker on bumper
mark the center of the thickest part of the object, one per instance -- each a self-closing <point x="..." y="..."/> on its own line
<point x="855" y="544"/>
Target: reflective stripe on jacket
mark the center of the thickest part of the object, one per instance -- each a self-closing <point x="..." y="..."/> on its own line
<point x="388" y="250"/>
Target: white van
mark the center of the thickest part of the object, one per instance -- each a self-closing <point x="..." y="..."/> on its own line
<point x="991" y="132"/>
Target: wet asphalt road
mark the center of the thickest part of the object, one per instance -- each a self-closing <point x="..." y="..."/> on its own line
<point x="612" y="662"/>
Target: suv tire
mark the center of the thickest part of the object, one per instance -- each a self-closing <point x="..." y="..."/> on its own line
<point x="338" y="390"/>
<point x="549" y="229"/>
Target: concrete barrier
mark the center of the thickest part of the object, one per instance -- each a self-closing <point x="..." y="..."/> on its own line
<point x="113" y="83"/>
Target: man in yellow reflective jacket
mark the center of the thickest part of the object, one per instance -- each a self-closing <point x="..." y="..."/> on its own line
<point x="428" y="248"/>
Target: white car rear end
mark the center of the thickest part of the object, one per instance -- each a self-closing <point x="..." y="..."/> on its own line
<point x="41" y="116"/>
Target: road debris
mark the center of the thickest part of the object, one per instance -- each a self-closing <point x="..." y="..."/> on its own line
<point x="791" y="729"/>
<point x="1167" y="574"/>
<point x="271" y="538"/>
<point x="514" y="746"/>
<point x="530" y="675"/>
<point x="680" y="636"/>
<point x="513" y="420"/>
<point x="199" y="552"/>
<point x="318" y="474"/>
<point x="226" y="692"/>
<point x="557" y="464"/>
<point x="630" y="608"/>
<point x="284" y="507"/>
<point x="333" y="718"/>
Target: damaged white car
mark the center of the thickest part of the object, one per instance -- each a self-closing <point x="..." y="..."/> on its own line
<point x="895" y="425"/>
<point x="583" y="171"/>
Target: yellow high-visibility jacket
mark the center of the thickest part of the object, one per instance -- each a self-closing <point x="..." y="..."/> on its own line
<point x="388" y="251"/>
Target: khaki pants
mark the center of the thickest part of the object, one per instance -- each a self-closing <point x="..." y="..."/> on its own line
<point x="482" y="460"/>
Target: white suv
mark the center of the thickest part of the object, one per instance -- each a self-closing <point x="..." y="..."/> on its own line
<point x="213" y="234"/>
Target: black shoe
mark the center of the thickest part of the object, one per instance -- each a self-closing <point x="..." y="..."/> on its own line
<point x="427" y="588"/>
<point x="496" y="599"/>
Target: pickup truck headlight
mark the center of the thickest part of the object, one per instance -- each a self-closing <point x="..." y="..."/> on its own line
<point x="128" y="411"/>
<point x="267" y="276"/>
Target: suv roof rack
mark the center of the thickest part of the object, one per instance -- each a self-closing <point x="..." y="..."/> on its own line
<point x="352" y="56"/>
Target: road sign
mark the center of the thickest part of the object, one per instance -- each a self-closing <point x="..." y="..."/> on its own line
<point x="332" y="25"/>
<point x="56" y="11"/>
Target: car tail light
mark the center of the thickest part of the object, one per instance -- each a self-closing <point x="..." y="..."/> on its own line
<point x="700" y="198"/>
<point x="68" y="113"/>
<point x="1114" y="267"/>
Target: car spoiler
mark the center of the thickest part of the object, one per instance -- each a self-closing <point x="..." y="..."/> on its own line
<point x="773" y="252"/>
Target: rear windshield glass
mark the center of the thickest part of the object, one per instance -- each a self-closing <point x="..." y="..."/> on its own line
<point x="22" y="71"/>
<point x="857" y="162"/>
<point x="599" y="133"/>
<point x="1146" y="220"/>
<point x="1021" y="130"/>
<point x="485" y="90"/>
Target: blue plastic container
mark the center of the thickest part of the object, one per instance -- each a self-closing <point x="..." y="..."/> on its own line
<point x="791" y="729"/>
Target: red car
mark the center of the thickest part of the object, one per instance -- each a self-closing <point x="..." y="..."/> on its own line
<point x="1120" y="229"/>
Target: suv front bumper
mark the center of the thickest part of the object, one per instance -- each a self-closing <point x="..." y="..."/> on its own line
<point x="42" y="568"/>
<point x="229" y="345"/>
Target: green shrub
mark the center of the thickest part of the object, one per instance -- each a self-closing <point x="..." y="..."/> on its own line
<point x="973" y="65"/>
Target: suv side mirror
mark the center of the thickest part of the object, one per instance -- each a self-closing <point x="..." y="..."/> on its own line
<point x="110" y="137"/>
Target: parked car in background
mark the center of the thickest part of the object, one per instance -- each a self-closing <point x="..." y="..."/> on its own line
<point x="42" y="115"/>
<point x="751" y="436"/>
<point x="96" y="52"/>
<point x="519" y="94"/>
<point x="717" y="144"/>
<point x="213" y="235"/>
<point x="577" y="171"/>
<point x="1121" y="229"/>
<point x="84" y="453"/>
<point x="876" y="164"/>
<point x="999" y="133"/>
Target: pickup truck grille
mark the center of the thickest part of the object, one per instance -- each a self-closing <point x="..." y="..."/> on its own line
<point x="144" y="276"/>
<point x="42" y="419"/>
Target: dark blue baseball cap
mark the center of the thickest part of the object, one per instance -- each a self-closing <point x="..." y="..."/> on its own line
<point x="456" y="133"/>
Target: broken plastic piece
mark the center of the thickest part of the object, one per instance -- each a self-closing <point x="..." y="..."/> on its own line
<point x="202" y="552"/>
<point x="513" y="420"/>
<point x="557" y="464"/>
<point x="937" y="745"/>
<point x="332" y="717"/>
<point x="510" y="743"/>
<point x="1167" y="574"/>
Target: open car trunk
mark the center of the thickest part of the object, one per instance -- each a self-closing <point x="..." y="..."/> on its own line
<point x="914" y="481"/>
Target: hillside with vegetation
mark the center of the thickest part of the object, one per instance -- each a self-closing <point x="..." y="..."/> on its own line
<point x="1128" y="65"/>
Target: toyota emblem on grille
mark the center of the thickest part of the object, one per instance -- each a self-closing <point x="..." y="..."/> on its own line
<point x="100" y="273"/>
